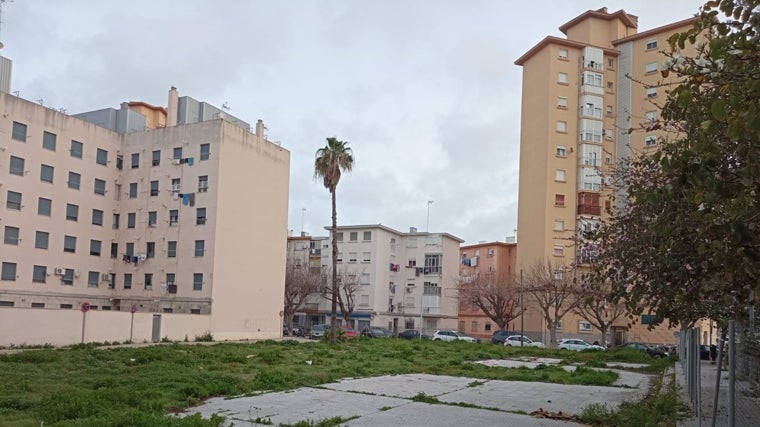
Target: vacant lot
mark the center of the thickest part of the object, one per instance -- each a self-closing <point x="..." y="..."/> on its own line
<point x="101" y="386"/>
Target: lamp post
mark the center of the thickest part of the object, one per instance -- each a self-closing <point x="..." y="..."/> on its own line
<point x="303" y="211"/>
<point x="522" y="310"/>
<point x="427" y="222"/>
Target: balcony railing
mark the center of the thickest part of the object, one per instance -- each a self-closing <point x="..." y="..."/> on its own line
<point x="589" y="210"/>
<point x="431" y="290"/>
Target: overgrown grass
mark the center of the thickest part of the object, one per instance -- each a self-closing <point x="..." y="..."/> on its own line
<point x="88" y="386"/>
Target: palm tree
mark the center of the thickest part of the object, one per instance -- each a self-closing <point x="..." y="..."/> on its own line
<point x="329" y="162"/>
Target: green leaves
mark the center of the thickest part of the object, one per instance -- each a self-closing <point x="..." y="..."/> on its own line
<point x="718" y="110"/>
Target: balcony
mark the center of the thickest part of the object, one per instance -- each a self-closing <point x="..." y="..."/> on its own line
<point x="588" y="204"/>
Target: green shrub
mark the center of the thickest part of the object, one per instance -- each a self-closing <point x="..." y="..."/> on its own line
<point x="204" y="337"/>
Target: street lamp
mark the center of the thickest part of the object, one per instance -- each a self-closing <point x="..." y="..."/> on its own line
<point x="303" y="211"/>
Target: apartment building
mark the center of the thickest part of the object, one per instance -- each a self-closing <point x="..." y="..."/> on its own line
<point x="307" y="251"/>
<point x="489" y="258"/>
<point x="586" y="102"/>
<point x="405" y="280"/>
<point x="144" y="209"/>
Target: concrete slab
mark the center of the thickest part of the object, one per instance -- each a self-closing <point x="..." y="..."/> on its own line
<point x="404" y="386"/>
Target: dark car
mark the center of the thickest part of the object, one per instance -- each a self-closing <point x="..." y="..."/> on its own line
<point x="376" y="332"/>
<point x="412" y="334"/>
<point x="499" y="337"/>
<point x="704" y="352"/>
<point x="652" y="351"/>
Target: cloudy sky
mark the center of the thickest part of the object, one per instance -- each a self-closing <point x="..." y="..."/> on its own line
<point x="425" y="92"/>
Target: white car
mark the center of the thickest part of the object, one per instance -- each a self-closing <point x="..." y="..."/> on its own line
<point x="577" y="345"/>
<point x="514" y="341"/>
<point x="452" y="336"/>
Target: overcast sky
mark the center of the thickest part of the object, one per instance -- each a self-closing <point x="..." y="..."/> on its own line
<point x="425" y="92"/>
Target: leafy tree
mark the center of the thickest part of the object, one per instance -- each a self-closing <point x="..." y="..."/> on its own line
<point x="300" y="282"/>
<point x="555" y="292"/>
<point x="330" y="162"/>
<point x="687" y="243"/>
<point x="496" y="295"/>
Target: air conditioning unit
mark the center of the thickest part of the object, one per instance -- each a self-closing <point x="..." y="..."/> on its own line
<point x="409" y="290"/>
<point x="59" y="271"/>
<point x="105" y="277"/>
<point x="77" y="273"/>
<point x="176" y="161"/>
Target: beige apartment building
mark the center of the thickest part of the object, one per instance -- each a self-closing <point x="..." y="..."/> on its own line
<point x="580" y="97"/>
<point x="179" y="209"/>
<point x="491" y="258"/>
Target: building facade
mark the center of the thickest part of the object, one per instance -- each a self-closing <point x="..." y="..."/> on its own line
<point x="586" y="103"/>
<point x="132" y="212"/>
<point x="492" y="258"/>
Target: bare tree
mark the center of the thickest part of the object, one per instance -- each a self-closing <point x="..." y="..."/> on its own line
<point x="595" y="304"/>
<point x="496" y="295"/>
<point x="555" y="293"/>
<point x="348" y="285"/>
<point x="299" y="283"/>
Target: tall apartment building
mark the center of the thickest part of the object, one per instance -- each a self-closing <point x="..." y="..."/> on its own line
<point x="405" y="280"/>
<point x="177" y="209"/>
<point x="489" y="258"/>
<point x="580" y="96"/>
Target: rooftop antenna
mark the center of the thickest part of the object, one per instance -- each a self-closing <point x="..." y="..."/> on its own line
<point x="225" y="107"/>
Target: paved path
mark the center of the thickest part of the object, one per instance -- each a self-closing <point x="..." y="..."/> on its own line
<point x="747" y="403"/>
<point x="386" y="401"/>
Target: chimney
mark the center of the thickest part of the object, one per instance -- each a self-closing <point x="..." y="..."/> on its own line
<point x="412" y="229"/>
<point x="172" y="107"/>
<point x="260" y="128"/>
<point x="125" y="105"/>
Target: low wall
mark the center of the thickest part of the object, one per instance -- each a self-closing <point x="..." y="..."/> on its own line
<point x="34" y="326"/>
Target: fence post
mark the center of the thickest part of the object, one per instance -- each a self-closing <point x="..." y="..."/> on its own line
<point x="732" y="374"/>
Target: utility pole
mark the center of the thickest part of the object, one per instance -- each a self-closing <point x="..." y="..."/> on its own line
<point x="427" y="223"/>
<point x="522" y="310"/>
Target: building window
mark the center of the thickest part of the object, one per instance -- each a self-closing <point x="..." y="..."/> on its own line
<point x="200" y="216"/>
<point x="152" y="218"/>
<point x="340" y="257"/>
<point x="176" y="186"/>
<point x="652" y="92"/>
<point x="69" y="244"/>
<point x="131" y="220"/>
<point x="44" y="206"/>
<point x="474" y="326"/>
<point x="651" y="116"/>
<point x="562" y="102"/>
<point x="156" y="159"/>
<point x="364" y="279"/>
<point x="127" y="280"/>
<point x="651" y="68"/>
<point x="135" y="160"/>
<point x="609" y="110"/>
<point x="119" y="162"/>
<point x="200" y="247"/>
<point x="608" y="134"/>
<point x="651" y="44"/>
<point x="100" y="187"/>
<point x="173" y="217"/>
<point x="148" y="278"/>
<point x="177" y="152"/>
<point x="76" y="149"/>
<point x="132" y="190"/>
<point x="95" y="246"/>
<point x="561" y="126"/>
<point x="559" y="225"/>
<point x="558" y="274"/>
<point x="584" y="326"/>
<point x="197" y="281"/>
<point x="559" y="200"/>
<point x="650" y="140"/>
<point x="13" y="200"/>
<point x="68" y="277"/>
<point x="367" y="237"/>
<point x="559" y="175"/>
<point x="488" y="327"/>
<point x="562" y="78"/>
<point x="115" y="221"/>
<point x="72" y="212"/>
<point x="8" y="271"/>
<point x="19" y="132"/>
<point x="432" y="264"/>
<point x="205" y="151"/>
<point x="563" y="54"/>
<point x="75" y="180"/>
<point x="39" y="274"/>
<point x="339" y="236"/>
<point x="154" y="188"/>
<point x="66" y="306"/>
<point x="130" y="249"/>
<point x="171" y="249"/>
<point x="608" y="159"/>
<point x="610" y="63"/>
<point x="93" y="277"/>
<point x="41" y="239"/>
<point x="114" y="250"/>
<point x="11" y="235"/>
<point x="195" y="311"/>
<point x="366" y="257"/>
<point x="203" y="183"/>
<point x="610" y="85"/>
<point x="48" y="141"/>
<point x="561" y="151"/>
<point x="17" y="166"/>
<point x="150" y="249"/>
<point x="591" y="78"/>
<point x="352" y="257"/>
<point x="353" y="236"/>
<point x="101" y="157"/>
<point x="46" y="173"/>
<point x="558" y="250"/>
<point x="170" y="278"/>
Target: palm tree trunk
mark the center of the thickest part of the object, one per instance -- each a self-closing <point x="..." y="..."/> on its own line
<point x="334" y="318"/>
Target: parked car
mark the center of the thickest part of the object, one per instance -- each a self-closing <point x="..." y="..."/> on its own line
<point x="410" y="334"/>
<point x="451" y="336"/>
<point x="317" y="331"/>
<point x="499" y="337"/>
<point x="648" y="349"/>
<point x="577" y="345"/>
<point x="348" y="331"/>
<point x="462" y="335"/>
<point x="516" y="340"/>
<point x="704" y="352"/>
<point x="376" y="332"/>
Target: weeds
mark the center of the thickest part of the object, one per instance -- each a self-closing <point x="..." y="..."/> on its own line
<point x="204" y="337"/>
